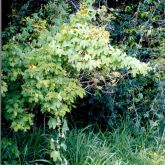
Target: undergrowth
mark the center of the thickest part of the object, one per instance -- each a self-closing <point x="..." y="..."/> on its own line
<point x="125" y="145"/>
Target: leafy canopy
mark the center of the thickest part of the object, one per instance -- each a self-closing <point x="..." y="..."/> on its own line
<point x="49" y="75"/>
<point x="44" y="76"/>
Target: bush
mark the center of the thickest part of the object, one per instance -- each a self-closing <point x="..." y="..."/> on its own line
<point x="138" y="30"/>
<point x="45" y="70"/>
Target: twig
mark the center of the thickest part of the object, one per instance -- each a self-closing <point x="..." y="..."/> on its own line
<point x="74" y="5"/>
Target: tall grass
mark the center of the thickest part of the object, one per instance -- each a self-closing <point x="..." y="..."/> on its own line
<point x="126" y="145"/>
<point x="123" y="146"/>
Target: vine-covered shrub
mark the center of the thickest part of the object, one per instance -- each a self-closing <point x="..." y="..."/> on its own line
<point x="140" y="99"/>
<point x="47" y="73"/>
<point x="138" y="30"/>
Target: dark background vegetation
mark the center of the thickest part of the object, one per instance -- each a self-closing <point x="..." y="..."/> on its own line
<point x="7" y="6"/>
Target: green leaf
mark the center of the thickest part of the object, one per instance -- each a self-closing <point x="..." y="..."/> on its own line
<point x="52" y="145"/>
<point x="63" y="146"/>
<point x="55" y="155"/>
<point x="65" y="127"/>
<point x="52" y="123"/>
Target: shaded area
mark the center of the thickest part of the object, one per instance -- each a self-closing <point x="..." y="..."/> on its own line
<point x="12" y="8"/>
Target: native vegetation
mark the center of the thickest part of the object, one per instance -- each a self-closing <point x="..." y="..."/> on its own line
<point x="68" y="65"/>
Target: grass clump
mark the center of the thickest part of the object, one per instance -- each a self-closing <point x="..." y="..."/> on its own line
<point x="123" y="146"/>
<point x="126" y="145"/>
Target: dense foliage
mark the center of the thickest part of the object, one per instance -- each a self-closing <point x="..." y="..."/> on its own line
<point x="138" y="30"/>
<point x="51" y="62"/>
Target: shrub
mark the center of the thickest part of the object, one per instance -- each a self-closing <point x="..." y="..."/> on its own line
<point x="46" y="72"/>
<point x="138" y="30"/>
